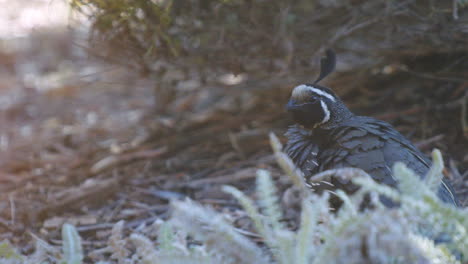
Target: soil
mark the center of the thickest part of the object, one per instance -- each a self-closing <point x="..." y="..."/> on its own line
<point x="91" y="143"/>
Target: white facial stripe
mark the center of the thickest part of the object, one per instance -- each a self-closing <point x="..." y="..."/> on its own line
<point x="301" y="92"/>
<point x="326" y="111"/>
<point x="322" y="93"/>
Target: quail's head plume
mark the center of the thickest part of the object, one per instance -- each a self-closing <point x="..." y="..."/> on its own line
<point x="312" y="105"/>
<point x="328" y="135"/>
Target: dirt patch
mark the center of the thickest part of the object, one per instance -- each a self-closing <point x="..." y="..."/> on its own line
<point x="90" y="143"/>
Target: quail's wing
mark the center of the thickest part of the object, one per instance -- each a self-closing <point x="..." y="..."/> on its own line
<point x="414" y="159"/>
<point x="357" y="147"/>
<point x="386" y="131"/>
<point x="379" y="147"/>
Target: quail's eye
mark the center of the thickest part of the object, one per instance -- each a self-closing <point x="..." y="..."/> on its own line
<point x="313" y="99"/>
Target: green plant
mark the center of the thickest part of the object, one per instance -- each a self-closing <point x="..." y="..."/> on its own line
<point x="72" y="249"/>
<point x="72" y="252"/>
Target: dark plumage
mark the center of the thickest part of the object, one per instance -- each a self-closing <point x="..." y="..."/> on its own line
<point x="328" y="136"/>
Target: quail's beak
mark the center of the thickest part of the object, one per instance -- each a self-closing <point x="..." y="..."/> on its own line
<point x="292" y="106"/>
<point x="295" y="107"/>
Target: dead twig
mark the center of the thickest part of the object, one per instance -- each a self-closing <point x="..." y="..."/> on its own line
<point x="343" y="173"/>
<point x="90" y="190"/>
<point x="464" y="115"/>
<point x="243" y="174"/>
<point x="423" y="144"/>
<point x="117" y="160"/>
<point x="393" y="115"/>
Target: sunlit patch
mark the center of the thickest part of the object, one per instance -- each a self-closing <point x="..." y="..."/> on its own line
<point x="232" y="79"/>
<point x="20" y="18"/>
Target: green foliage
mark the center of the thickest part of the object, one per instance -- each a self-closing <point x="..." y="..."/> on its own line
<point x="132" y="27"/>
<point x="72" y="249"/>
<point x="222" y="242"/>
<point x="286" y="164"/>
<point x="8" y="252"/>
<point x="45" y="253"/>
<point x="434" y="176"/>
<point x="462" y="3"/>
<point x="165" y="237"/>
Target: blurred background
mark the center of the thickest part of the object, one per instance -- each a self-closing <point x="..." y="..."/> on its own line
<point x="108" y="109"/>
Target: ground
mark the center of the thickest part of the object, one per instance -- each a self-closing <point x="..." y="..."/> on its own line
<point x="88" y="142"/>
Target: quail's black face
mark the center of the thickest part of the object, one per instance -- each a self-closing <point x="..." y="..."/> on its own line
<point x="308" y="114"/>
<point x="308" y="105"/>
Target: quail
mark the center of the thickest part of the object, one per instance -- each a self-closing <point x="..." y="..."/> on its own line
<point x="328" y="135"/>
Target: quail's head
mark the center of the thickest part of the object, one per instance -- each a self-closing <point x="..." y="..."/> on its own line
<point x="312" y="105"/>
<point x="309" y="105"/>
